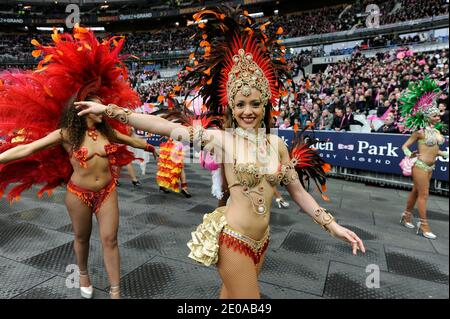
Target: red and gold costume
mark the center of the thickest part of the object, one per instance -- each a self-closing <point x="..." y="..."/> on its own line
<point x="31" y="104"/>
<point x="238" y="56"/>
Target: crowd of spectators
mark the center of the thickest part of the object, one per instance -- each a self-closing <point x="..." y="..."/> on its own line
<point x="387" y="41"/>
<point x="345" y="93"/>
<point x="144" y="43"/>
<point x="370" y="87"/>
<point x="332" y="99"/>
<point x="17" y="47"/>
<point x="347" y="17"/>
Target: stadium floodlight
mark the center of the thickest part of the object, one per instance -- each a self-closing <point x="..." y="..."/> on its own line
<point x="189" y="23"/>
<point x="275" y="12"/>
<point x="50" y="28"/>
<point x="257" y="15"/>
<point x="96" y="28"/>
<point x="61" y="29"/>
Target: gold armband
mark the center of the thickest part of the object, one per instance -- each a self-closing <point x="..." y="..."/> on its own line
<point x="120" y="114"/>
<point x="291" y="175"/>
<point x="323" y="218"/>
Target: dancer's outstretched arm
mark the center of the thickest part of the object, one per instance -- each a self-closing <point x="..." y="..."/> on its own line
<point x="309" y="205"/>
<point x="147" y="122"/>
<point x="135" y="142"/>
<point x="24" y="150"/>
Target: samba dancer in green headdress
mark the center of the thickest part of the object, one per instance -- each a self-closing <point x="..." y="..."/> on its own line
<point x="421" y="117"/>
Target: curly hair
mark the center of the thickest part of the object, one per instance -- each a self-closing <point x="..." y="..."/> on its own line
<point x="76" y="126"/>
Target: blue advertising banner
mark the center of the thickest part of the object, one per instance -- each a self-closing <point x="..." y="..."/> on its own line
<point x="375" y="152"/>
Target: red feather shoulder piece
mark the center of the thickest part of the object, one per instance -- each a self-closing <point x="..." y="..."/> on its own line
<point x="310" y="166"/>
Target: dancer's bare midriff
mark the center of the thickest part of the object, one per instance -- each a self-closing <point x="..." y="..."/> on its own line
<point x="428" y="154"/>
<point x="241" y="216"/>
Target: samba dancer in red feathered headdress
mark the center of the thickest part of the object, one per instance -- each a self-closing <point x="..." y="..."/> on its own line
<point x="48" y="143"/>
<point x="240" y="73"/>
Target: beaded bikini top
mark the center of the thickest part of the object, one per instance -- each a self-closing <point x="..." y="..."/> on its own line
<point x="250" y="176"/>
<point x="432" y="137"/>
<point x="82" y="154"/>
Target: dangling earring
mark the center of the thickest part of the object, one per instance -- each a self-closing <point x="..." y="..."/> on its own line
<point x="263" y="125"/>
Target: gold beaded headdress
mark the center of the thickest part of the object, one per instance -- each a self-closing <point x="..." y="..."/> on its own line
<point x="244" y="76"/>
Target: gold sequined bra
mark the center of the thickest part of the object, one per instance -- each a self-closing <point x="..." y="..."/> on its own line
<point x="250" y="176"/>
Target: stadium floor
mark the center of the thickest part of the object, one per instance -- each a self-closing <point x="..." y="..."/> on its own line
<point x="303" y="261"/>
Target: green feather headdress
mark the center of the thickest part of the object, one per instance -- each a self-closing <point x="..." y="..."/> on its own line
<point x="418" y="103"/>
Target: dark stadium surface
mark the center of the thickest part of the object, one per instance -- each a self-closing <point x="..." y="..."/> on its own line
<point x="303" y="261"/>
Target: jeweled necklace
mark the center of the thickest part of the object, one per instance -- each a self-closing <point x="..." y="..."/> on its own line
<point x="260" y="142"/>
<point x="93" y="133"/>
<point x="252" y="137"/>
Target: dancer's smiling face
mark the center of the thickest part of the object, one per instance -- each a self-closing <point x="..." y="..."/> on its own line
<point x="248" y="110"/>
<point x="434" y="118"/>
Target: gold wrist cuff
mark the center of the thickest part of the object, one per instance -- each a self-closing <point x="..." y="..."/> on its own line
<point x="118" y="113"/>
<point x="323" y="217"/>
<point x="196" y="134"/>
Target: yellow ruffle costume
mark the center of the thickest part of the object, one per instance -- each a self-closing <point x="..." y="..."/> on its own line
<point x="170" y="165"/>
<point x="214" y="231"/>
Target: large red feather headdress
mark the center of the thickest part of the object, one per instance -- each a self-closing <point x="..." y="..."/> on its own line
<point x="32" y="102"/>
<point x="80" y="64"/>
<point x="235" y="53"/>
